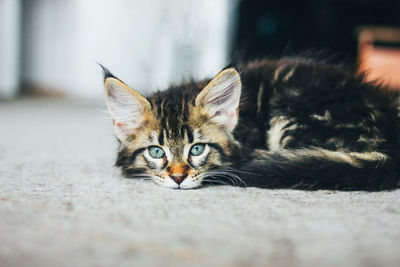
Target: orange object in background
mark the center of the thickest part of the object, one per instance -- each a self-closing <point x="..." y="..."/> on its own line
<point x="379" y="54"/>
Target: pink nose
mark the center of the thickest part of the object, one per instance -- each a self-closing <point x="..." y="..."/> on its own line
<point x="178" y="178"/>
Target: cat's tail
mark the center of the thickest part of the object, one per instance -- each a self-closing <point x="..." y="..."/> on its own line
<point x="317" y="168"/>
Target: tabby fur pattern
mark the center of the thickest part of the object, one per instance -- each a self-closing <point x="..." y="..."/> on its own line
<point x="287" y="123"/>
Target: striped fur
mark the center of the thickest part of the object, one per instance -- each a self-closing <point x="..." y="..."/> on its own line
<point x="288" y="123"/>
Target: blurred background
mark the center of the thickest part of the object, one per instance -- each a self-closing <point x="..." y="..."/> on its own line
<point x="63" y="204"/>
<point x="50" y="47"/>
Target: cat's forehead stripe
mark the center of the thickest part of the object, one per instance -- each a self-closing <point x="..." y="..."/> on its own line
<point x="161" y="138"/>
<point x="187" y="133"/>
<point x="172" y="112"/>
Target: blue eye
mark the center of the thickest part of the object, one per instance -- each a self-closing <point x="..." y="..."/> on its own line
<point x="156" y="152"/>
<point x="197" y="149"/>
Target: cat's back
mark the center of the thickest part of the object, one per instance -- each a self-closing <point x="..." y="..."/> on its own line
<point x="315" y="103"/>
<point x="298" y="82"/>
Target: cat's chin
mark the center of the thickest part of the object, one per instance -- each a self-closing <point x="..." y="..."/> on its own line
<point x="186" y="184"/>
<point x="166" y="183"/>
<point x="189" y="184"/>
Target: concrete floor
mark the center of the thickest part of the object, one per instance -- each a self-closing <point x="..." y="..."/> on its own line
<point x="63" y="204"/>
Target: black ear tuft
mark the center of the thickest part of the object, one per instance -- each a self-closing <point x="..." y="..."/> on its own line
<point x="106" y="72"/>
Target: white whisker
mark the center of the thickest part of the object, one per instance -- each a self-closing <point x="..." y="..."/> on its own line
<point x="233" y="178"/>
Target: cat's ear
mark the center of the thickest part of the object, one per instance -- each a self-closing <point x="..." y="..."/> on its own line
<point x="126" y="106"/>
<point x="220" y="98"/>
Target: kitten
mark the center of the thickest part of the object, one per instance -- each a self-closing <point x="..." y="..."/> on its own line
<point x="288" y="123"/>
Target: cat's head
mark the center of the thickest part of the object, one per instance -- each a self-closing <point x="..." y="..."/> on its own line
<point x="176" y="137"/>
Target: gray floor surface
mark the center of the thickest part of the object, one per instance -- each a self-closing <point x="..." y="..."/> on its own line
<point x="63" y="204"/>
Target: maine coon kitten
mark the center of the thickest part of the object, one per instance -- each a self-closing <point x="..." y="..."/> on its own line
<point x="288" y="123"/>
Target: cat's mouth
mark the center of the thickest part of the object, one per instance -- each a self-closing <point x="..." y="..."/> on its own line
<point x="187" y="183"/>
<point x="211" y="177"/>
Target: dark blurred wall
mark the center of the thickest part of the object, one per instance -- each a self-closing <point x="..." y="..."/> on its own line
<point x="273" y="28"/>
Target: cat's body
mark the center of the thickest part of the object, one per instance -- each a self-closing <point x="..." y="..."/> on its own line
<point x="300" y="124"/>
